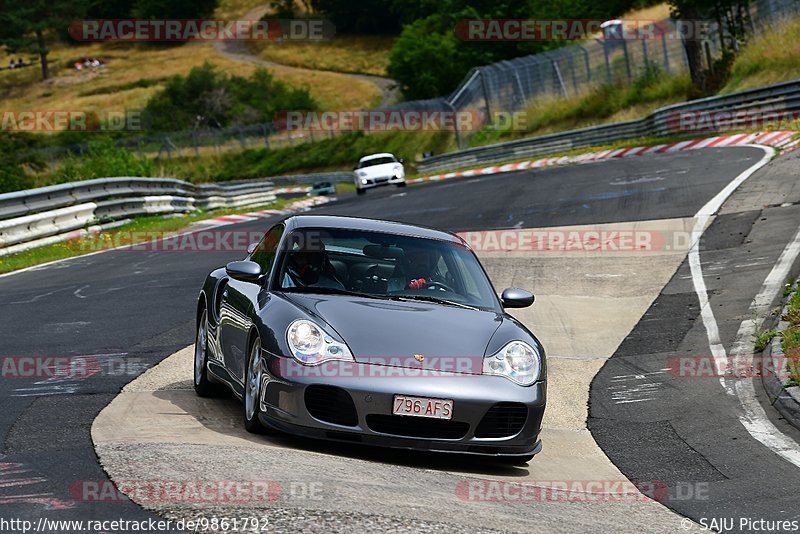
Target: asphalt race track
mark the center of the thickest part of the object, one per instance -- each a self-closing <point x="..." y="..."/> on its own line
<point x="135" y="308"/>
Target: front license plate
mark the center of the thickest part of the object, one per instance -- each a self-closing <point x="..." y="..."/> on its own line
<point x="422" y="407"/>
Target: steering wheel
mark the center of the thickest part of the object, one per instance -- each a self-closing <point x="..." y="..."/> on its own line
<point x="440" y="285"/>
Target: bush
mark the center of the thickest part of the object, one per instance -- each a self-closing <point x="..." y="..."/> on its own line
<point x="103" y="159"/>
<point x="15" y="157"/>
<point x="209" y="98"/>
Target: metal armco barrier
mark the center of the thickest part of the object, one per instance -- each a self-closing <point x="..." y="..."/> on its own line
<point x="779" y="99"/>
<point x="46" y="215"/>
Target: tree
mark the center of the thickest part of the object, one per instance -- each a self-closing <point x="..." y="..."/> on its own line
<point x="25" y="25"/>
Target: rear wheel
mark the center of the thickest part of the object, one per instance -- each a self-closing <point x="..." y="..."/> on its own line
<point x="360" y="191"/>
<point x="202" y="385"/>
<point x="401" y="184"/>
<point x="252" y="390"/>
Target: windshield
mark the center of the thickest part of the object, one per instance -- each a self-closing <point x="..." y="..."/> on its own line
<point x="376" y="161"/>
<point x="381" y="265"/>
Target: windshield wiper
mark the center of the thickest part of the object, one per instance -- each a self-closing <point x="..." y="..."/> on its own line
<point x="437" y="300"/>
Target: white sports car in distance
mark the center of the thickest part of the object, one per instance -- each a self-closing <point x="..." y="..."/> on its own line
<point x="378" y="169"/>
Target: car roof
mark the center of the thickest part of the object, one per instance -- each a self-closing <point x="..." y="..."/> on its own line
<point x="371" y="225"/>
<point x="375" y="156"/>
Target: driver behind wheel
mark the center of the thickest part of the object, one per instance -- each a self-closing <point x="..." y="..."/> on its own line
<point x="420" y="267"/>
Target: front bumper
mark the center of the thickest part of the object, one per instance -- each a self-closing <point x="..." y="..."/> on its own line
<point x="378" y="181"/>
<point x="284" y="407"/>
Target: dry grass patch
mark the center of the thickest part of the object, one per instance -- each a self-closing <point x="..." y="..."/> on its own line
<point x="360" y="54"/>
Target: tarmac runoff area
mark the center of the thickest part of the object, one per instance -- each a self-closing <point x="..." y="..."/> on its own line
<point x="587" y="301"/>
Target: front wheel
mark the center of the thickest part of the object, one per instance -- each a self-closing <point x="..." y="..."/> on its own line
<point x="360" y="191"/>
<point x="401" y="184"/>
<point x="252" y="390"/>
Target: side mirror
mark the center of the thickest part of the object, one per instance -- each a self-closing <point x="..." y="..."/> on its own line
<point x="252" y="247"/>
<point x="400" y="160"/>
<point x="516" y="298"/>
<point x="244" y="271"/>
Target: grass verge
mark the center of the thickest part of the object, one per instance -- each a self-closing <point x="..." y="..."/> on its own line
<point x="791" y="337"/>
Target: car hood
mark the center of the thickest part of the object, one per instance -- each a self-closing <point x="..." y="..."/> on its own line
<point x="384" y="169"/>
<point x="395" y="333"/>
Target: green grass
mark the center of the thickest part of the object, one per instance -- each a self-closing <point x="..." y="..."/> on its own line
<point x="791" y="349"/>
<point x="791" y="335"/>
<point x="123" y="235"/>
<point x="770" y="57"/>
<point x="762" y="338"/>
<point x="792" y="314"/>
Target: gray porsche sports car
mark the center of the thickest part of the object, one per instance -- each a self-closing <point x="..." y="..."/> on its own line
<point x="373" y="332"/>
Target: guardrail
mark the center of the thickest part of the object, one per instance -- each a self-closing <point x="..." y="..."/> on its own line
<point x="46" y="215"/>
<point x="670" y="120"/>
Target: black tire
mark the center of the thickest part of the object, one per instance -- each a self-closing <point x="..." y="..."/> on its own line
<point x="202" y="385"/>
<point x="360" y="191"/>
<point x="515" y="460"/>
<point x="401" y="184"/>
<point x="251" y="421"/>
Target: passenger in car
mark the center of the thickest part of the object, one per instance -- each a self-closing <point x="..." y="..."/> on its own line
<point x="310" y="268"/>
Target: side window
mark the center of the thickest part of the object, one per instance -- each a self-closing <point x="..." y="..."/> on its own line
<point x="265" y="251"/>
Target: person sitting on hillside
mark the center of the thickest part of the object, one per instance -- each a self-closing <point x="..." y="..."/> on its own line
<point x="11" y="64"/>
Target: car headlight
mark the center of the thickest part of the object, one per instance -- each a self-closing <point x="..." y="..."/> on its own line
<point x="362" y="173"/>
<point x="363" y="180"/>
<point x="517" y="361"/>
<point x="311" y="345"/>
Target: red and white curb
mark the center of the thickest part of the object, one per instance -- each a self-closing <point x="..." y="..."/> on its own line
<point x="780" y="139"/>
<point x="295" y="207"/>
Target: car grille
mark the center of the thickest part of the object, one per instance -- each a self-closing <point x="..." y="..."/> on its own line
<point x="417" y="427"/>
<point x="502" y="420"/>
<point x="331" y="405"/>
